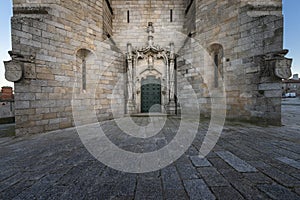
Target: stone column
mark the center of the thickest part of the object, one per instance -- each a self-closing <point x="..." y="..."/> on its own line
<point x="130" y="105"/>
<point x="171" y="107"/>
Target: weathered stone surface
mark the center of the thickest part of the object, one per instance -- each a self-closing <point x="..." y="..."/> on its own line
<point x="278" y="192"/>
<point x="56" y="165"/>
<point x="236" y="162"/>
<point x="226" y="193"/>
<point x="171" y="179"/>
<point x="200" y="162"/>
<point x="212" y="177"/>
<point x="282" y="177"/>
<point x="149" y="189"/>
<point x="283" y="68"/>
<point x="197" y="189"/>
<point x="187" y="171"/>
<point x="291" y="162"/>
<point x="13" y="71"/>
<point x="257" y="178"/>
<point x="175" y="194"/>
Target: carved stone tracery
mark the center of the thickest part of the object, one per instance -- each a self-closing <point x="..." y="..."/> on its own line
<point x="151" y="60"/>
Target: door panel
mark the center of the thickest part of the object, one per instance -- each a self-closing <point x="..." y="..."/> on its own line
<point x="151" y="95"/>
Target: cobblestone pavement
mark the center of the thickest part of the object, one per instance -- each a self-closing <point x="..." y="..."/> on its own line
<point x="248" y="162"/>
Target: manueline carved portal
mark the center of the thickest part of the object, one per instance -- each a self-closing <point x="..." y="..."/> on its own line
<point x="151" y="78"/>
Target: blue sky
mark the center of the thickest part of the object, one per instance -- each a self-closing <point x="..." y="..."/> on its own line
<point x="5" y="39"/>
<point x="291" y="11"/>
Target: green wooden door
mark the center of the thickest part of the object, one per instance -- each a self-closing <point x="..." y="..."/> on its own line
<point x="151" y="95"/>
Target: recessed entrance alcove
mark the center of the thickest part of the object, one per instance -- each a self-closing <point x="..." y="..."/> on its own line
<point x="151" y="78"/>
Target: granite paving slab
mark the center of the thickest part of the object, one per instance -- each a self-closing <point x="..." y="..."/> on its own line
<point x="291" y="162"/>
<point x="248" y="162"/>
<point x="237" y="163"/>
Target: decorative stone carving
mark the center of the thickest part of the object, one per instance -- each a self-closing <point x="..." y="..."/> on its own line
<point x="171" y="107"/>
<point x="13" y="70"/>
<point x="172" y="75"/>
<point x="29" y="71"/>
<point x="20" y="66"/>
<point x="151" y="60"/>
<point x="283" y="68"/>
<point x="130" y="104"/>
<point x="276" y="63"/>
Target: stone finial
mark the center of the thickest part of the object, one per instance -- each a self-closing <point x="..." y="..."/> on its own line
<point x="129" y="50"/>
<point x="172" y="51"/>
<point x="150" y="28"/>
<point x="150" y="31"/>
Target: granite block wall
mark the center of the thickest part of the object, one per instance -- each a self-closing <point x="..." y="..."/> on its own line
<point x="249" y="33"/>
<point x="68" y="57"/>
<point x="46" y="38"/>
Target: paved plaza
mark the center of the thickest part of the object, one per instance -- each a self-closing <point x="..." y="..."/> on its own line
<point x="248" y="162"/>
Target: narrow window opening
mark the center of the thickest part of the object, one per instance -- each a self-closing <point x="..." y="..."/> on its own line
<point x="171" y="15"/>
<point x="83" y="74"/>
<point x="128" y="16"/>
<point x="216" y="61"/>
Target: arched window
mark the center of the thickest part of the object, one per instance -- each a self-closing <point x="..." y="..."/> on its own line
<point x="82" y="58"/>
<point x="217" y="54"/>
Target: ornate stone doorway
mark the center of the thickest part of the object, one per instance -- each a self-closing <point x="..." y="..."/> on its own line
<point x="154" y="66"/>
<point x="151" y="95"/>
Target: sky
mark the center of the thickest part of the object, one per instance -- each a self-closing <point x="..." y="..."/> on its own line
<point x="291" y="11"/>
<point x="5" y="38"/>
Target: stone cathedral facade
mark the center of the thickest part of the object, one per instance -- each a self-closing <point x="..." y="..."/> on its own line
<point x="116" y="58"/>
